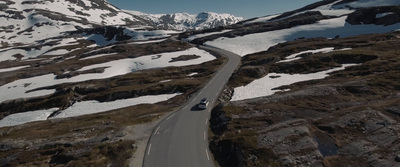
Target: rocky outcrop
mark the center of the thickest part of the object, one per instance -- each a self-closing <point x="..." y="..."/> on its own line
<point x="350" y="117"/>
<point x="375" y="15"/>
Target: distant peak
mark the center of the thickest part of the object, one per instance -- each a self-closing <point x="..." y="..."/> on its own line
<point x="186" y="21"/>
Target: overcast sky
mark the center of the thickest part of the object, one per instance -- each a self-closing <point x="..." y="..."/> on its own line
<point x="242" y="8"/>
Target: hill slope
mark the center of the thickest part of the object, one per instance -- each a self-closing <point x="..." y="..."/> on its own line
<point x="317" y="86"/>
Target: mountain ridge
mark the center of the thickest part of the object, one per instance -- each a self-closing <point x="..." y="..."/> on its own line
<point x="186" y="21"/>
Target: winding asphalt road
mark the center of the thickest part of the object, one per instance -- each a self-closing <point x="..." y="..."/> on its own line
<point x="181" y="139"/>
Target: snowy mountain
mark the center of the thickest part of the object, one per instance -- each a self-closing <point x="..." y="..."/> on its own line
<point x="185" y="21"/>
<point x="28" y="21"/>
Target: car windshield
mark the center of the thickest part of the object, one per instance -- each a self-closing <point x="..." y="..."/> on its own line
<point x="204" y="100"/>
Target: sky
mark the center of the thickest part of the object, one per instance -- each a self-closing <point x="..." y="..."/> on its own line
<point x="240" y="8"/>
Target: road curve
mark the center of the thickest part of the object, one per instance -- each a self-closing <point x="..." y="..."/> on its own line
<point x="181" y="139"/>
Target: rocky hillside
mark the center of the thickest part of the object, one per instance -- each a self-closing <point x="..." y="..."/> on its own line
<point x="185" y="21"/>
<point x="350" y="117"/>
<point x="317" y="86"/>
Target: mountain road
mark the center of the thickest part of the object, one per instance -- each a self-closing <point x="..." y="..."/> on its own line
<point x="181" y="139"/>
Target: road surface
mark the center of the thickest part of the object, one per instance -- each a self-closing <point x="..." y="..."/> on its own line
<point x="181" y="139"/>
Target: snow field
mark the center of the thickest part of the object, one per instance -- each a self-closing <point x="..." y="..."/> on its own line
<point x="82" y="108"/>
<point x="6" y="55"/>
<point x="330" y="28"/>
<point x="25" y="117"/>
<point x="149" y="62"/>
<point x="92" y="107"/>
<point x="263" y="86"/>
<point x="20" y="88"/>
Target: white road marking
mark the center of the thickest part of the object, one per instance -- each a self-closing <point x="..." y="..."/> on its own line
<point x="155" y="132"/>
<point x="204" y="135"/>
<point x="206" y="121"/>
<point x="208" y="157"/>
<point x="148" y="151"/>
<point x="170" y="116"/>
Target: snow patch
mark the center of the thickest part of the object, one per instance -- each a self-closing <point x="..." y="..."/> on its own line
<point x="264" y="86"/>
<point x="164" y="81"/>
<point x="23" y="88"/>
<point x="25" y="117"/>
<point x="380" y="15"/>
<point x="92" y="107"/>
<point x="13" y="68"/>
<point x="148" y="42"/>
<point x="97" y="56"/>
<point x="329" y="28"/>
<point x="192" y="74"/>
<point x="293" y="56"/>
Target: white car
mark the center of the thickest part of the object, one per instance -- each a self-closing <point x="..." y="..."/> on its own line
<point x="203" y="103"/>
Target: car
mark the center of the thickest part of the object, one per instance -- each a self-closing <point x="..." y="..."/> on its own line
<point x="203" y="103"/>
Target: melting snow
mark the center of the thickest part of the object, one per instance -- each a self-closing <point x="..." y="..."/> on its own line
<point x="293" y="56"/>
<point x="192" y="74"/>
<point x="33" y="52"/>
<point x="325" y="28"/>
<point x="82" y="108"/>
<point x="91" y="107"/>
<point x="20" y="88"/>
<point x="383" y="14"/>
<point x="97" y="56"/>
<point x="13" y="68"/>
<point x="25" y="117"/>
<point x="168" y="80"/>
<point x="147" y="42"/>
<point x="263" y="86"/>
